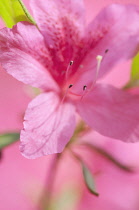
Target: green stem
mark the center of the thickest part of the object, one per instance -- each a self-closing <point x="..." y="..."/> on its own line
<point x="45" y="200"/>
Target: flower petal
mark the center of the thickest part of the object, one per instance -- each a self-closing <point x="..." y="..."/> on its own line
<point x="115" y="31"/>
<point x="56" y="18"/>
<point x="49" y="125"/>
<point x="111" y="112"/>
<point x="23" y="55"/>
<point x="62" y="24"/>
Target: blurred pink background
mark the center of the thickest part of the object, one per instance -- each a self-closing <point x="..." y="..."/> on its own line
<point x="23" y="181"/>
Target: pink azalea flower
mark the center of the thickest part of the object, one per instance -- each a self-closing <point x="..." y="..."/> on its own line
<point x="60" y="58"/>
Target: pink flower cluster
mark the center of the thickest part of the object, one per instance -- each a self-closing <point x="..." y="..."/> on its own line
<point x="60" y="57"/>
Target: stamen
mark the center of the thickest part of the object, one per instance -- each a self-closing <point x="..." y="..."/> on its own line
<point x="57" y="119"/>
<point x="99" y="60"/>
<point x="71" y="63"/>
<point x="70" y="86"/>
<point x="85" y="91"/>
<point x="66" y="92"/>
<point x="67" y="71"/>
<point x="84" y="87"/>
<point x="106" y="50"/>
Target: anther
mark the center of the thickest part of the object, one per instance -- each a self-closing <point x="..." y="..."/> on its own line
<point x="67" y="71"/>
<point x="70" y="85"/>
<point x="84" y="87"/>
<point x="99" y="58"/>
<point x="71" y="63"/>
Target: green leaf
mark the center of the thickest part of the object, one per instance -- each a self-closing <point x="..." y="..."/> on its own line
<point x="89" y="180"/>
<point x="14" y="11"/>
<point x="8" y="138"/>
<point x="88" y="177"/>
<point x="134" y="79"/>
<point x="135" y="68"/>
<point x="108" y="156"/>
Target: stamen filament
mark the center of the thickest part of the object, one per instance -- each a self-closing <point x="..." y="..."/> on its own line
<point x="66" y="92"/>
<point x="99" y="59"/>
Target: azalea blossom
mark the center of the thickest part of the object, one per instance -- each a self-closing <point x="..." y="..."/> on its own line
<point x="65" y="57"/>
